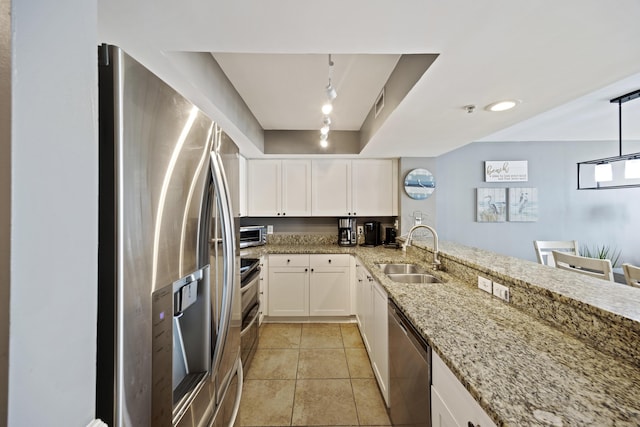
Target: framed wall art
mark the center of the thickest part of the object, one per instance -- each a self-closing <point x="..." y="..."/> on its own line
<point x="491" y="204"/>
<point x="523" y="204"/>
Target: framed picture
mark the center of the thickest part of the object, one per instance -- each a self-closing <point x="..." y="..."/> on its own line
<point x="491" y="204"/>
<point x="506" y="170"/>
<point x="523" y="204"/>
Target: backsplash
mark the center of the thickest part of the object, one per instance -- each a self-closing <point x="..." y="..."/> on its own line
<point x="302" y="239"/>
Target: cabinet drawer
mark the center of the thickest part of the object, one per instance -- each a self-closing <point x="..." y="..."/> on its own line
<point x="288" y="260"/>
<point x="329" y="260"/>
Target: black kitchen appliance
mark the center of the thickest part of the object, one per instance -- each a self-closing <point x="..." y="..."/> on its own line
<point x="371" y="233"/>
<point x="390" y="236"/>
<point x="347" y="232"/>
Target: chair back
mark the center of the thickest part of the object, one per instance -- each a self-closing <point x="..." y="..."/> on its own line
<point x="631" y="274"/>
<point x="544" y="248"/>
<point x="600" y="268"/>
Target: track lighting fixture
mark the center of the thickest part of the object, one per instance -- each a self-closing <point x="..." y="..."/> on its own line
<point x="327" y="108"/>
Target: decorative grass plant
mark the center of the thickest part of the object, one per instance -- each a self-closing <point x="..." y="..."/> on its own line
<point x="602" y="252"/>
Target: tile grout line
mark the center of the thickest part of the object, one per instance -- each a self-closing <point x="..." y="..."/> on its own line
<point x="295" y="383"/>
<point x="353" y="393"/>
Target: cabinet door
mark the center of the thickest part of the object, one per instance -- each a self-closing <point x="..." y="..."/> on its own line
<point x="372" y="187"/>
<point x="264" y="187"/>
<point x="380" y="341"/>
<point x="331" y="187"/>
<point x="264" y="288"/>
<point x="367" y="314"/>
<point x="440" y="414"/>
<point x="288" y="291"/>
<point x="361" y="279"/>
<point x="242" y="167"/>
<point x="329" y="291"/>
<point x="462" y="406"/>
<point x="296" y="187"/>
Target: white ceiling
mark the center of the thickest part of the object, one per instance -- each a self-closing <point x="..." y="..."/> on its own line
<point x="563" y="60"/>
<point x="287" y="91"/>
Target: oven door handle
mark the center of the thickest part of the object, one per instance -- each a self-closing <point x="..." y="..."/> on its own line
<point x="255" y="279"/>
<point x="253" y="321"/>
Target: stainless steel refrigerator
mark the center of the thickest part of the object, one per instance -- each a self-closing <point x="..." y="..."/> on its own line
<point x="169" y="315"/>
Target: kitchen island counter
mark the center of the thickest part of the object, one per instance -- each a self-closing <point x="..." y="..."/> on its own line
<point x="521" y="368"/>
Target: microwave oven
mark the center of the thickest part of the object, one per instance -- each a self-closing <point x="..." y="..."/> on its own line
<point x="253" y="235"/>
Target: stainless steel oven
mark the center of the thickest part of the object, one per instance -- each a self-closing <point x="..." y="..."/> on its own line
<point x="249" y="291"/>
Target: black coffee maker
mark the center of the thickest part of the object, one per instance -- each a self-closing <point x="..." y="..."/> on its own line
<point x="371" y="233"/>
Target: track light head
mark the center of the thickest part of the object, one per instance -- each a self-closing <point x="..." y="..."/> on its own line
<point x="331" y="92"/>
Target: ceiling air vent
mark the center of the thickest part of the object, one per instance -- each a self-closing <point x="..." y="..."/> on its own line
<point x="379" y="103"/>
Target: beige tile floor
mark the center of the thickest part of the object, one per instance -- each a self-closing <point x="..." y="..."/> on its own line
<point x="311" y="374"/>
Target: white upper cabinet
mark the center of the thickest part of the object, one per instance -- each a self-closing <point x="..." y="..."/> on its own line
<point x="296" y="187"/>
<point x="279" y="187"/>
<point x="331" y="187"/>
<point x="372" y="187"/>
<point x="344" y="187"/>
<point x="322" y="187"/>
<point x="242" y="211"/>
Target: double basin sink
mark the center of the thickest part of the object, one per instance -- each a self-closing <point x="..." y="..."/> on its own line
<point x="407" y="273"/>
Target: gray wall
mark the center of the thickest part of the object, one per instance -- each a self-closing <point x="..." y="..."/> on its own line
<point x="409" y="206"/>
<point x="54" y="213"/>
<point x="593" y="217"/>
<point x="5" y="200"/>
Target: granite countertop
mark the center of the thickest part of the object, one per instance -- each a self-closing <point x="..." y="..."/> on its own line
<point x="521" y="370"/>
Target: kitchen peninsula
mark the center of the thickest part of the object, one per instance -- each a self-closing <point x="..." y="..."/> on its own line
<point x="563" y="352"/>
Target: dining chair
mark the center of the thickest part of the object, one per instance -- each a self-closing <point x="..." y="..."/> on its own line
<point x="544" y="248"/>
<point x="631" y="274"/>
<point x="595" y="267"/>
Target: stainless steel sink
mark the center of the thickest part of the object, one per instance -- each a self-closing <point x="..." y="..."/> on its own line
<point x="413" y="278"/>
<point x="400" y="268"/>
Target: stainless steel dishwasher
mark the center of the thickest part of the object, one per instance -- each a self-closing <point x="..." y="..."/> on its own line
<point x="409" y="373"/>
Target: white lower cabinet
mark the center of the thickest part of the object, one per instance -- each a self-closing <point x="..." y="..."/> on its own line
<point x="371" y="314"/>
<point x="380" y="334"/>
<point x="264" y="286"/>
<point x="288" y="285"/>
<point x="329" y="285"/>
<point x="309" y="285"/>
<point x="451" y="404"/>
<point x="440" y="414"/>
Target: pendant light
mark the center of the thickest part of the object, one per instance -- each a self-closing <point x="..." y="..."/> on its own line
<point x="612" y="172"/>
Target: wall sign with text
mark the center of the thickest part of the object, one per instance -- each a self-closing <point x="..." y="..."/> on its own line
<point x="506" y="170"/>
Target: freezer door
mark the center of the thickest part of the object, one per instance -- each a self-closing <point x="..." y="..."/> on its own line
<point x="154" y="159"/>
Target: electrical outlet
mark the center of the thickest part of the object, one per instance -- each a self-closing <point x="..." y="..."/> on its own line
<point x="484" y="284"/>
<point x="269" y="229"/>
<point x="360" y="230"/>
<point x="501" y="291"/>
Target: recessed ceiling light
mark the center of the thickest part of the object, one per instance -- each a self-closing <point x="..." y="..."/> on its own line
<point x="502" y="105"/>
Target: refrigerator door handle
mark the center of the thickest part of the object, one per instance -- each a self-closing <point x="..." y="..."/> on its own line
<point x="236" y="405"/>
<point x="228" y="244"/>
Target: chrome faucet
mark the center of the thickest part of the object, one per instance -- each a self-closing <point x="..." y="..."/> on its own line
<point x="436" y="260"/>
